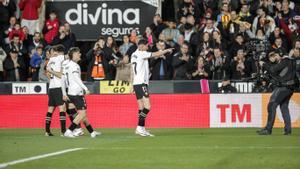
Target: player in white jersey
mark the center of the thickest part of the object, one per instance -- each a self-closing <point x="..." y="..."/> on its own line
<point x="55" y="93"/>
<point x="70" y="107"/>
<point x="76" y="91"/>
<point x="140" y="67"/>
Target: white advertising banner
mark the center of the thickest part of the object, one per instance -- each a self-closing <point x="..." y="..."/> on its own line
<point x="235" y="110"/>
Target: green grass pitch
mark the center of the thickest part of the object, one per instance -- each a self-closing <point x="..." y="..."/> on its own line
<point x="170" y="149"/>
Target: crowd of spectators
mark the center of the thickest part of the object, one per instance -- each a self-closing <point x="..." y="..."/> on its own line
<point x="213" y="39"/>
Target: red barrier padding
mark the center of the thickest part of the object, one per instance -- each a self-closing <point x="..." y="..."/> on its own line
<point x="111" y="111"/>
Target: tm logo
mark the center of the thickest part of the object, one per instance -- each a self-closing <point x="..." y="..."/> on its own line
<point x="20" y="89"/>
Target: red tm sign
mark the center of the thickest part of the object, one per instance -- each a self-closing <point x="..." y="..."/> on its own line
<point x="241" y="113"/>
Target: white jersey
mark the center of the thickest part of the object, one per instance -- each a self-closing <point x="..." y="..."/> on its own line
<point x="73" y="79"/>
<point x="64" y="66"/>
<point x="55" y="64"/>
<point x="140" y="67"/>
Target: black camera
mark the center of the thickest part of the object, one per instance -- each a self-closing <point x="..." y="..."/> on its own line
<point x="258" y="48"/>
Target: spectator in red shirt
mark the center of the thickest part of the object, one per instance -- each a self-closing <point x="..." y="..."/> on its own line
<point x="17" y="30"/>
<point x="52" y="26"/>
<point x="30" y="14"/>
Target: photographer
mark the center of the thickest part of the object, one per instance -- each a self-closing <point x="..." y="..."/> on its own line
<point x="97" y="62"/>
<point x="264" y="83"/>
<point x="284" y="76"/>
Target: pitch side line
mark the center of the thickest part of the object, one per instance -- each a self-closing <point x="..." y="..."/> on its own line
<point x="3" y="165"/>
<point x="200" y="147"/>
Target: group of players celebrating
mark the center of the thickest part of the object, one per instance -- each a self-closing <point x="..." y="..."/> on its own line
<point x="66" y="89"/>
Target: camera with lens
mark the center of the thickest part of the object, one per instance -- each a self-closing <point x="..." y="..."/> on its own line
<point x="257" y="48"/>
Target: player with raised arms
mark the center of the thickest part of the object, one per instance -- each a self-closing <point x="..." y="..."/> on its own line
<point x="140" y="82"/>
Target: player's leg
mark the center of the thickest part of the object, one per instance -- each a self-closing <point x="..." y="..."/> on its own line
<point x="72" y="113"/>
<point x="141" y="119"/>
<point x="62" y="117"/>
<point x="51" y="107"/>
<point x="74" y="123"/>
<point x="146" y="110"/>
<point x="89" y="127"/>
<point x="48" y="120"/>
<point x="71" y="110"/>
<point x="58" y="96"/>
<point x="80" y="104"/>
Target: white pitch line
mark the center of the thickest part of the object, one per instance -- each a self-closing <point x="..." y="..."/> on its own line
<point x="3" y="165"/>
<point x="200" y="147"/>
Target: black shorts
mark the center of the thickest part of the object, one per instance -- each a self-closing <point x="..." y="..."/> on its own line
<point x="55" y="97"/>
<point x="141" y="91"/>
<point x="79" y="102"/>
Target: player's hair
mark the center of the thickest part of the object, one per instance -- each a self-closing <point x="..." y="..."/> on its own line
<point x="72" y="51"/>
<point x="142" y="42"/>
<point x="59" y="48"/>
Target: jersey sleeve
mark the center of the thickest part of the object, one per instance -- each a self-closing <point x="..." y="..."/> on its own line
<point x="61" y="59"/>
<point x="145" y="55"/>
<point x="50" y="63"/>
<point x="76" y="74"/>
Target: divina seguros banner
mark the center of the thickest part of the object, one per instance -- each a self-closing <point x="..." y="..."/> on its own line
<point x="91" y="18"/>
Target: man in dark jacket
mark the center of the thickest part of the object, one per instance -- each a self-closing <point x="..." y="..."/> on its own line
<point x="15" y="67"/>
<point x="161" y="68"/>
<point x="36" y="41"/>
<point x="284" y="76"/>
<point x="183" y="63"/>
<point x="65" y="38"/>
<point x="16" y="45"/>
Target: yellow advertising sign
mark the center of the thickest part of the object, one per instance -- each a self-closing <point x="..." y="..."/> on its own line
<point x="115" y="87"/>
<point x="294" y="107"/>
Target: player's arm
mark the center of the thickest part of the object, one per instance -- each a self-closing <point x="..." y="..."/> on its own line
<point x="162" y="52"/>
<point x="55" y="73"/>
<point x="51" y="71"/>
<point x="131" y="81"/>
<point x="78" y="80"/>
<point x="63" y="86"/>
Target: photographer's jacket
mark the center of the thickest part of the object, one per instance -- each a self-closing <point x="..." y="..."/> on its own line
<point x="283" y="73"/>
